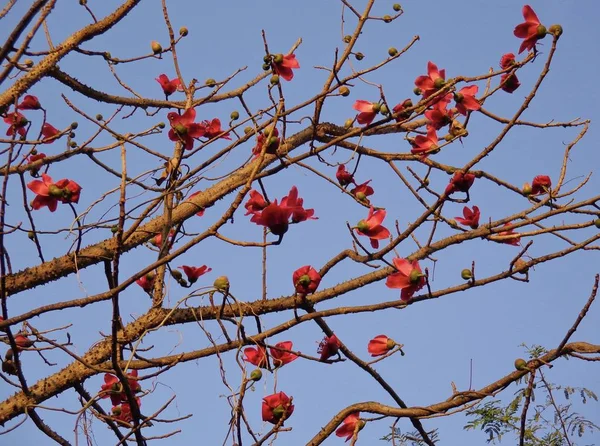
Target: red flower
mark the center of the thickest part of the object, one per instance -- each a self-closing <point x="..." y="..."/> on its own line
<point x="351" y="424"/>
<point x="541" y="184"/>
<point x="460" y="182"/>
<point x="36" y="157"/>
<point x="146" y="282"/>
<point x="112" y="387"/>
<point x="398" y="110"/>
<point x="514" y="241"/>
<point x="471" y="217"/>
<point x="193" y="273"/>
<point x="531" y="30"/>
<point x="276" y="407"/>
<point x="284" y="68"/>
<point x="183" y="128"/>
<point x="30" y="103"/>
<point x="306" y="279"/>
<point x="281" y="358"/>
<point x="213" y="129"/>
<point x="169" y="86"/>
<point x="17" y="124"/>
<point x="509" y="82"/>
<point x="367" y="111"/>
<point x="380" y="345"/>
<point x="465" y="99"/>
<point x="49" y="132"/>
<point x="343" y="176"/>
<point x="22" y="342"/>
<point x="362" y="191"/>
<point x="49" y="193"/>
<point x="272" y="143"/>
<point x="256" y="356"/>
<point x="371" y="227"/>
<point x="294" y="203"/>
<point x="507" y="60"/>
<point x="409" y="278"/>
<point x="424" y="145"/>
<point x="255" y="204"/>
<point x="201" y="212"/>
<point x="432" y="82"/>
<point x="158" y="239"/>
<point x="329" y="347"/>
<point x="122" y="412"/>
<point x="438" y="115"/>
<point x="275" y="217"/>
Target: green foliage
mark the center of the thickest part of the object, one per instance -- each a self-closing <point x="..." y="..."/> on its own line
<point x="409" y="438"/>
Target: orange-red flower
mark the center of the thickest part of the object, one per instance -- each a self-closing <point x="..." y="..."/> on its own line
<point x="213" y="129"/>
<point x="272" y="143"/>
<point x="509" y="82"/>
<point x="183" y="128"/>
<point x="343" y="176"/>
<point x="295" y="204"/>
<point x="23" y="341"/>
<point x="471" y="217"/>
<point x="432" y="82"/>
<point x="200" y="213"/>
<point x="306" y="279"/>
<point x="380" y="345"/>
<point x="367" y="111"/>
<point x="17" y="123"/>
<point x="49" y="132"/>
<point x="351" y="424"/>
<point x="275" y="217"/>
<point x="30" y="102"/>
<point x="50" y="193"/>
<point x="438" y="115"/>
<point x="256" y="203"/>
<point x="146" y="282"/>
<point x="398" y="110"/>
<point x="36" y="157"/>
<point x="281" y="357"/>
<point x="193" y="272"/>
<point x="329" y="347"/>
<point x="531" y="30"/>
<point x="424" y="145"/>
<point x="363" y="191"/>
<point x="256" y="356"/>
<point x="465" y="99"/>
<point x="371" y="227"/>
<point x="112" y="387"/>
<point x="277" y="407"/>
<point x="284" y="68"/>
<point x="514" y="241"/>
<point x="460" y="182"/>
<point x="507" y="60"/>
<point x="169" y="86"/>
<point x="541" y="184"/>
<point x="409" y="278"/>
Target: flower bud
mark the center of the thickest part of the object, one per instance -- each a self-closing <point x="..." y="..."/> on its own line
<point x="74" y="125"/>
<point x="384" y="110"/>
<point x="344" y="91"/>
<point x="210" y="82"/>
<point x="235" y="115"/>
<point x="99" y="117"/>
<point x="349" y="122"/>
<point x="520" y="364"/>
<point x="527" y="189"/>
<point x="278" y="58"/>
<point x="597" y="223"/>
<point x="439" y="82"/>
<point x="376" y="107"/>
<point x="417" y="91"/>
<point x="387" y="18"/>
<point x="390" y="344"/>
<point x="359" y="56"/>
<point x="267" y="58"/>
<point x="266" y="66"/>
<point x="274" y="79"/>
<point x="248" y="129"/>
<point x="176" y="274"/>
<point x="521" y="264"/>
<point x="29" y="63"/>
<point x="114" y="229"/>
<point x="347" y="39"/>
<point x="392" y="52"/>
<point x="31" y="235"/>
<point x="556" y="30"/>
<point x="116" y="411"/>
<point x="541" y="31"/>
<point x="256" y="375"/>
<point x="183" y="31"/>
<point x="397" y="7"/>
<point x="161" y="125"/>
<point x="466" y="274"/>
<point x="360" y="196"/>
<point x="221" y="283"/>
<point x="415" y="276"/>
<point x="156" y="48"/>
<point x="73" y="144"/>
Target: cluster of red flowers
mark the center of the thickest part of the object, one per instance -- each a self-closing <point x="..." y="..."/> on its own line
<point x="18" y="123"/>
<point x="113" y="389"/>
<point x="276" y="216"/>
<point x="360" y="191"/>
<point x="185" y="130"/>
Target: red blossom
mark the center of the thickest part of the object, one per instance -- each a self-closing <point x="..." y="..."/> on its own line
<point x="306" y="279"/>
<point x="29" y="102"/>
<point x="17" y="123"/>
<point x="193" y="272"/>
<point x="343" y="176"/>
<point x="531" y="30"/>
<point x="409" y="278"/>
<point x="23" y="341"/>
<point x="36" y="157"/>
<point x="169" y="86"/>
<point x="276" y="407"/>
<point x="363" y="191"/>
<point x="460" y="182"/>
<point x="272" y="143"/>
<point x="380" y="345"/>
<point x="49" y="132"/>
<point x="284" y="68"/>
<point x="146" y="282"/>
<point x="514" y="241"/>
<point x="465" y="99"/>
<point x="49" y="193"/>
<point x="280" y="357"/>
<point x="367" y="111"/>
<point x="328" y="347"/>
<point x="122" y="412"/>
<point x="256" y="203"/>
<point x="183" y="128"/>
<point x="398" y="110"/>
<point x="295" y="204"/>
<point x="256" y="356"/>
<point x="371" y="227"/>
<point x="438" y="115"/>
<point x="201" y="212"/>
<point x="541" y="184"/>
<point x="350" y="424"/>
<point x="509" y="82"/>
<point x="471" y="217"/>
<point x="213" y="129"/>
<point x="424" y="145"/>
<point x="507" y="60"/>
<point x="432" y="82"/>
<point x="275" y="217"/>
<point x="112" y="387"/>
<point x="157" y="240"/>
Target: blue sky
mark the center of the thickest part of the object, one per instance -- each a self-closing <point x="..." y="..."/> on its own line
<point x="441" y="337"/>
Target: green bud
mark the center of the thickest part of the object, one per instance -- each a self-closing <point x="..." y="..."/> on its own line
<point x="83" y="2"/>
<point x="183" y="31"/>
<point x="415" y="276"/>
<point x="392" y="52"/>
<point x="28" y="63"/>
<point x="114" y="229"/>
<point x="72" y="135"/>
<point x="266" y="66"/>
<point x="256" y="375"/>
<point x="267" y="58"/>
<point x="397" y="7"/>
<point x="376" y="107"/>
<point x="360" y="196"/>
<point x="235" y="115"/>
<point x="439" y="82"/>
<point x="349" y="122"/>
<point x="384" y="110"/>
<point x="387" y="18"/>
<point x="248" y="129"/>
<point x="278" y="58"/>
<point x="541" y="31"/>
<point x="31" y="235"/>
<point x="73" y="144"/>
<point x="597" y="223"/>
<point x="520" y="364"/>
<point x="417" y="91"/>
<point x="176" y="274"/>
<point x="210" y="83"/>
<point x="99" y="117"/>
<point x="347" y="39"/>
<point x="34" y="152"/>
<point x="161" y="125"/>
<point x="466" y="274"/>
<point x="344" y="91"/>
<point x="274" y="79"/>
<point x="359" y="56"/>
<point x="156" y="48"/>
<point x="74" y="125"/>
<point x="556" y="30"/>
<point x="527" y="189"/>
<point x="221" y="283"/>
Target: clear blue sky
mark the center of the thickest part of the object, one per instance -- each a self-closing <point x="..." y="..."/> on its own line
<point x="441" y="337"/>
